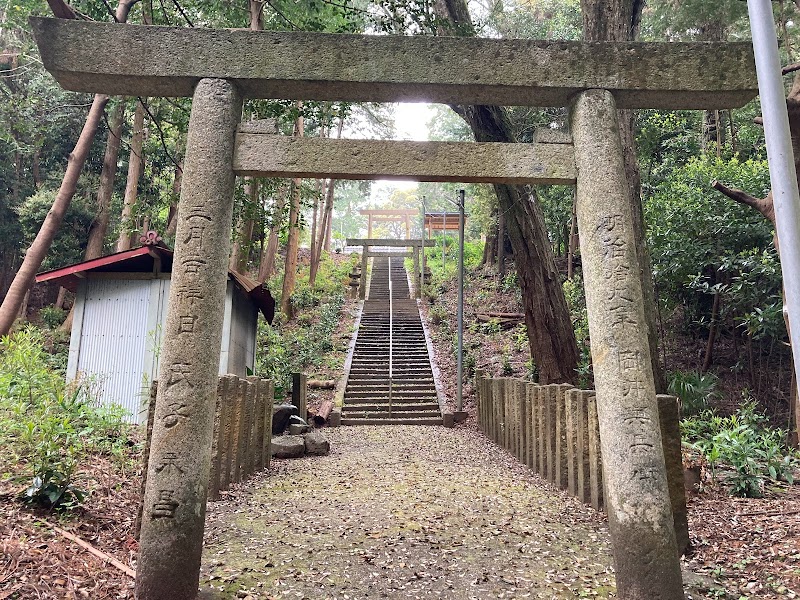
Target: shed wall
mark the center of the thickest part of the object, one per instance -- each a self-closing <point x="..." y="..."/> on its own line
<point x="114" y="340"/>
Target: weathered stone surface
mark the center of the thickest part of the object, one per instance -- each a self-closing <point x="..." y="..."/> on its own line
<point x="469" y="162"/>
<point x="267" y="126"/>
<point x="670" y="419"/>
<point x="298" y="429"/>
<point x="317" y="444"/>
<point x="131" y="60"/>
<point x="335" y="420"/>
<point x="545" y="135"/>
<point x="637" y="497"/>
<point x="288" y="446"/>
<point x="177" y="479"/>
<point x="280" y="417"/>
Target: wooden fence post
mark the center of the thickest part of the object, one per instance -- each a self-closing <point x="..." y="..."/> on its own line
<point x="268" y="393"/>
<point x="541" y="430"/>
<point x="151" y="416"/>
<point x="299" y="394"/>
<point x="669" y="418"/>
<point x="595" y="455"/>
<point x="571" y="407"/>
<point x="562" y="470"/>
<point x="244" y="430"/>
<point x="236" y="433"/>
<point x="218" y="441"/>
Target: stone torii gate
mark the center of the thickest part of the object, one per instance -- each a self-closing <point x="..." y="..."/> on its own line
<point x="220" y="67"/>
<point x="368" y="252"/>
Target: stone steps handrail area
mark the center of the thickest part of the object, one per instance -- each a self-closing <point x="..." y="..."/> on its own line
<point x="553" y="429"/>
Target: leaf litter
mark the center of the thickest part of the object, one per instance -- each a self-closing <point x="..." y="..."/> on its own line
<point x="404" y="511"/>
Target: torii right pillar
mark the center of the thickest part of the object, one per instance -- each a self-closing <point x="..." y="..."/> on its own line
<point x="637" y="497"/>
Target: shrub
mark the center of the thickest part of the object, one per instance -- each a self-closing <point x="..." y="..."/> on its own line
<point x="52" y="317"/>
<point x="743" y="441"/>
<point x="47" y="426"/>
<point x="694" y="390"/>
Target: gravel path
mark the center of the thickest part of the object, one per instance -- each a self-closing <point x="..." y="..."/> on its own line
<point x="404" y="512"/>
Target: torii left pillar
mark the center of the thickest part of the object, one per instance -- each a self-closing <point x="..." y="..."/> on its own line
<point x="180" y="454"/>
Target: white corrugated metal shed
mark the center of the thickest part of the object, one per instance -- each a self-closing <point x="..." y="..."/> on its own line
<point x="120" y="311"/>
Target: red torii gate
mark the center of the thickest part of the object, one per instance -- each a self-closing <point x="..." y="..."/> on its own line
<point x="398" y="215"/>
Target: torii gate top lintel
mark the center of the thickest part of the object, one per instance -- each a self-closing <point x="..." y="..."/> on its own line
<point x="169" y="61"/>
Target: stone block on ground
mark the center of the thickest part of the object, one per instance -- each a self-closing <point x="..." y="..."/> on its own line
<point x="335" y="420"/>
<point x="316" y="444"/>
<point x="281" y="414"/>
<point x="288" y="446"/>
<point x="298" y="429"/>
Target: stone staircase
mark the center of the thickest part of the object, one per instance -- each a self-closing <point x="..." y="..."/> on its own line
<point x="366" y="397"/>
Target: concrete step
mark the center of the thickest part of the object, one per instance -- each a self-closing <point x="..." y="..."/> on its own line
<point x="378" y="406"/>
<point x="388" y="421"/>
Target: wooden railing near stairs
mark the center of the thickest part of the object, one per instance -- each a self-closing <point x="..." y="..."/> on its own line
<point x="553" y="429"/>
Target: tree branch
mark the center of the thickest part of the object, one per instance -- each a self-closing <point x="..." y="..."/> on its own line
<point x="790" y="68"/>
<point x="762" y="205"/>
<point x="62" y="10"/>
<point x="161" y="135"/>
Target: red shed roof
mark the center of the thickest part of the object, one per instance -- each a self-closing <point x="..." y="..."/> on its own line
<point x="149" y="259"/>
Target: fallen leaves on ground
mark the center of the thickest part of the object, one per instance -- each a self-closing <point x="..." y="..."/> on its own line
<point x="404" y="511"/>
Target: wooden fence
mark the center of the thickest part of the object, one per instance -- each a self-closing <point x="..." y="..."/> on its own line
<point x="553" y="429"/>
<point x="242" y="431"/>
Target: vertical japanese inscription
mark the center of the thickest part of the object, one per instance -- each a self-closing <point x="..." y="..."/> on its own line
<point x="616" y="270"/>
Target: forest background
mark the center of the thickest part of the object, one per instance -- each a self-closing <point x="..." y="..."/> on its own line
<point x="716" y="306"/>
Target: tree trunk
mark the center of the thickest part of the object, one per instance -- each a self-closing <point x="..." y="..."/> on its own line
<point x="38" y="249"/>
<point x="550" y="333"/>
<point x="501" y="243"/>
<point x="267" y="266"/>
<point x="573" y="242"/>
<point x="243" y="240"/>
<point x="172" y="215"/>
<point x="135" y="169"/>
<point x="290" y="267"/>
<point x="52" y="222"/>
<point x="36" y="168"/>
<point x="240" y="250"/>
<point x="99" y="227"/>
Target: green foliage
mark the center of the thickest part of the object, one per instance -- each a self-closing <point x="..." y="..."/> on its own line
<point x="52" y="317"/>
<point x="293" y="347"/>
<point x="694" y="390"/>
<point x="69" y="243"/>
<point x="506" y="368"/>
<point x="49" y="427"/>
<point x="703" y="244"/>
<point x="756" y="452"/>
<point x="576" y="301"/>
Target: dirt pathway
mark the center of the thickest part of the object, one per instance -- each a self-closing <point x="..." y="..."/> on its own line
<point x="404" y="512"/>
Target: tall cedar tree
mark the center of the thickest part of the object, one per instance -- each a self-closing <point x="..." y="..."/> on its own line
<point x="550" y="334"/>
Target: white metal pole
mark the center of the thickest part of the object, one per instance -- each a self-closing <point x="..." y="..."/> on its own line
<point x="781" y="160"/>
<point x="461" y="300"/>
<point x="422" y="250"/>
